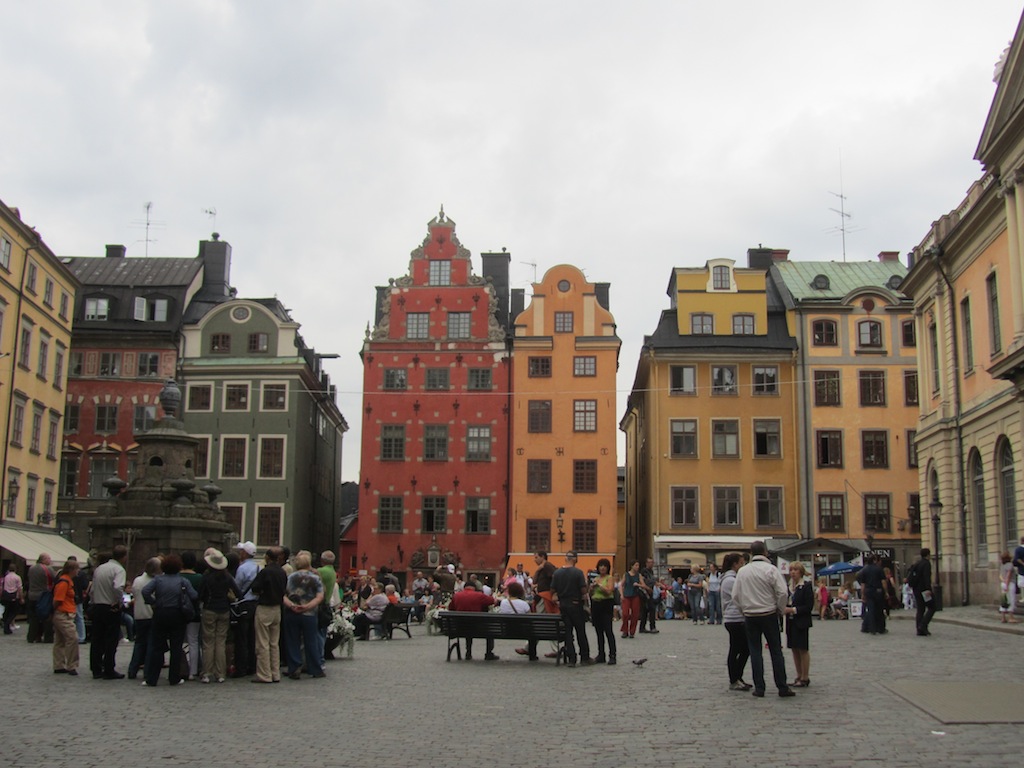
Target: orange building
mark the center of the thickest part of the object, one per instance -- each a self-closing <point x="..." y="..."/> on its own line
<point x="564" y="474"/>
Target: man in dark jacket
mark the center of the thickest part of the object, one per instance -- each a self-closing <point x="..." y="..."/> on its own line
<point x="872" y="578"/>
<point x="570" y="588"/>
<point x="920" y="581"/>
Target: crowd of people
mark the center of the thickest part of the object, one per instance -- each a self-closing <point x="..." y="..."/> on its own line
<point x="222" y="615"/>
<point x="202" y="619"/>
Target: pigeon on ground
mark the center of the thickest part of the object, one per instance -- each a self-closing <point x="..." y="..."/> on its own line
<point x="639" y="662"/>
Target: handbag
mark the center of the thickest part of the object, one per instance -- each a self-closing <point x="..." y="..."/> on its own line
<point x="1005" y="602"/>
<point x="324" y="614"/>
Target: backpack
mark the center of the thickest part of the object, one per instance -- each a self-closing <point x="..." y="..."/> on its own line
<point x="44" y="605"/>
<point x="913" y="576"/>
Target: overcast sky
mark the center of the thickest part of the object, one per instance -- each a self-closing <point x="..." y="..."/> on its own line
<point x="625" y="138"/>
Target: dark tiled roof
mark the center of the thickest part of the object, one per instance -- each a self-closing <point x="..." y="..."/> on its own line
<point x="666" y="337"/>
<point x="140" y="272"/>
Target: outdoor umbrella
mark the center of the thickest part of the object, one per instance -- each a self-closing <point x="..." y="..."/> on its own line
<point x="837" y="568"/>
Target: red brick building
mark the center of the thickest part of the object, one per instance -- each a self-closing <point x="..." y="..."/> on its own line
<point x="435" y="439"/>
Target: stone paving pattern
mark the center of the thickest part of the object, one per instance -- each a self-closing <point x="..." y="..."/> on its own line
<point x="399" y="703"/>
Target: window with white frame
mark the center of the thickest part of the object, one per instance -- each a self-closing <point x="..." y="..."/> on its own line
<point x="417" y="325"/>
<point x="272" y="457"/>
<point x="439" y="272"/>
<point x="233" y="451"/>
<point x="459" y="325"/>
<point x="584" y="416"/>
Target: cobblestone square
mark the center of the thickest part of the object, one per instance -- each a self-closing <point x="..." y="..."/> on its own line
<point x="400" y="703"/>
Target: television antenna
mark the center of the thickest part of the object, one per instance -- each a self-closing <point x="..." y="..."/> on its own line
<point x="149" y="224"/>
<point x="531" y="264"/>
<point x="844" y="217"/>
<point x="212" y="213"/>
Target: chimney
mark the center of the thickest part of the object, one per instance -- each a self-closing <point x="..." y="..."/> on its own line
<point x="495" y="269"/>
<point x="889" y="256"/>
<point x="780" y="254"/>
<point x="116" y="251"/>
<point x="518" y="304"/>
<point x="216" y="257"/>
<point x="760" y="258"/>
<point x="601" y="291"/>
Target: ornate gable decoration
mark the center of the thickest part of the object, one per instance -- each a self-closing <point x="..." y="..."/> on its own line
<point x="1006" y="104"/>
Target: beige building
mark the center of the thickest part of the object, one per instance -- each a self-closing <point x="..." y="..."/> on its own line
<point x="968" y="289"/>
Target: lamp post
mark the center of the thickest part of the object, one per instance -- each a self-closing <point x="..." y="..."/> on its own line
<point x="936" y="509"/>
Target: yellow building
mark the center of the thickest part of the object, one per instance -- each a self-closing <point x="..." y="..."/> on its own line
<point x="857" y="408"/>
<point x="711" y="448"/>
<point x="967" y="281"/>
<point x="37" y="297"/>
<point x="564" y="475"/>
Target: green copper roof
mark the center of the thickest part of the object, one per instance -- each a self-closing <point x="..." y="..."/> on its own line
<point x="843" y="277"/>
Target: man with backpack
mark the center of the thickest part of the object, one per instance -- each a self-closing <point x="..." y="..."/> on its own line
<point x="40" y="581"/>
<point x="919" y="579"/>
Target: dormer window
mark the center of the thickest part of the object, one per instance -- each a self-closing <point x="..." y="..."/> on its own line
<point x="820" y="283"/>
<point x="97" y="309"/>
<point x="151" y="310"/>
<point x="721" y="280"/>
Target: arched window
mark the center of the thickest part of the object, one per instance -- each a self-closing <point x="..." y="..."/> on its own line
<point x="977" y="483"/>
<point x="1008" y="493"/>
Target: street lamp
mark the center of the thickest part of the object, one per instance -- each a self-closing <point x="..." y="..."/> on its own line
<point x="936" y="509"/>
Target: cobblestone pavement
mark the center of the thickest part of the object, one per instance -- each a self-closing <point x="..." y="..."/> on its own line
<point x="400" y="703"/>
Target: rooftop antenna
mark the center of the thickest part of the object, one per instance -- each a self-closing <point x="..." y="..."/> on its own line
<point x="844" y="217"/>
<point x="149" y="224"/>
<point x="212" y="213"/>
<point x="531" y="264"/>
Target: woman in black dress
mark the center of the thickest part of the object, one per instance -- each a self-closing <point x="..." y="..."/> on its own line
<point x="798" y="623"/>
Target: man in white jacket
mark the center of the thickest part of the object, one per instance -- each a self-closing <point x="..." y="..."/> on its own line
<point x="761" y="594"/>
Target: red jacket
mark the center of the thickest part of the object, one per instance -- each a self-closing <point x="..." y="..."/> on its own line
<point x="470" y="600"/>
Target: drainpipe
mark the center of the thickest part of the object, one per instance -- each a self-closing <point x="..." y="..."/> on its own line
<point x="935" y="253"/>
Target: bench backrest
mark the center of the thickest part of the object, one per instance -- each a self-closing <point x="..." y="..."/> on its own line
<point x="508" y="626"/>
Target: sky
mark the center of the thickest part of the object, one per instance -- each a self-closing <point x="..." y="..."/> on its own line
<point x="623" y="138"/>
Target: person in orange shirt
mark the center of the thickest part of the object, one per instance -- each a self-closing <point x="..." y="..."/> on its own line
<point x="65" y="635"/>
<point x="391" y="594"/>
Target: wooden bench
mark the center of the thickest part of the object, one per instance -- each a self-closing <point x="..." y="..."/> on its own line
<point x="396" y="616"/>
<point x="457" y="625"/>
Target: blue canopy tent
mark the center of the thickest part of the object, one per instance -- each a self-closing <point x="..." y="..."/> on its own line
<point x="837" y="568"/>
